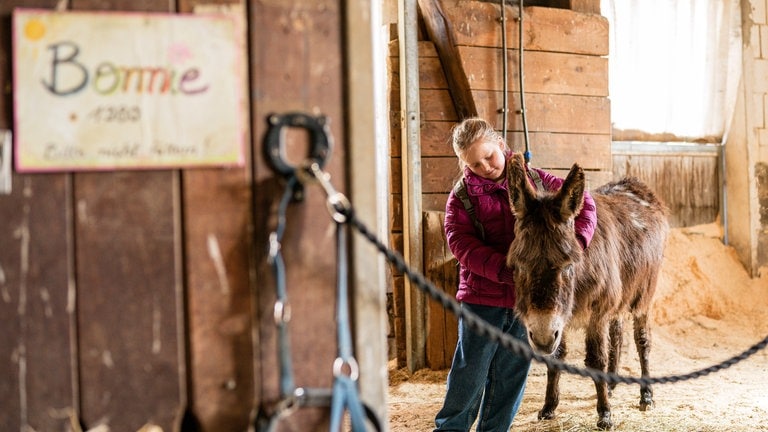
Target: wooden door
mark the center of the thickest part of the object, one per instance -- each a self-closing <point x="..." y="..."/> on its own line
<point x="143" y="298"/>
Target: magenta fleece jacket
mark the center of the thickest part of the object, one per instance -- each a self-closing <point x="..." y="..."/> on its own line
<point x="481" y="279"/>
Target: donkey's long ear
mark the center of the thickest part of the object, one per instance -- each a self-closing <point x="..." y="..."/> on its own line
<point x="521" y="193"/>
<point x="571" y="194"/>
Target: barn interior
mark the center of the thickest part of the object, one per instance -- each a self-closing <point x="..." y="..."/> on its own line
<point x="235" y="292"/>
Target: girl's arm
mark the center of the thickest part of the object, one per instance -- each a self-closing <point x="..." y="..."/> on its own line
<point x="467" y="246"/>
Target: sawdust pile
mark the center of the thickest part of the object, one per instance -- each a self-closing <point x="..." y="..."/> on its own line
<point x="707" y="309"/>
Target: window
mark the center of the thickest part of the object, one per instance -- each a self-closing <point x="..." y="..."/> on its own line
<point x="673" y="68"/>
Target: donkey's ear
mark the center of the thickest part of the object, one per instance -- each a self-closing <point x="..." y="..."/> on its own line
<point x="571" y="194"/>
<point x="520" y="191"/>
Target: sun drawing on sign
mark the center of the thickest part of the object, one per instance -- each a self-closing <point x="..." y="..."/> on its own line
<point x="34" y="30"/>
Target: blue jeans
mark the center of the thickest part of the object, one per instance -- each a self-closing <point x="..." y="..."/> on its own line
<point x="486" y="381"/>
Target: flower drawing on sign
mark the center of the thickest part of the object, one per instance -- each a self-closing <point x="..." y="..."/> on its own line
<point x="179" y="53"/>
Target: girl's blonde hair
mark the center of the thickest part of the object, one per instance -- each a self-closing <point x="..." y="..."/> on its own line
<point x="467" y="132"/>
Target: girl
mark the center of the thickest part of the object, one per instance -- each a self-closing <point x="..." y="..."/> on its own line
<point x="486" y="381"/>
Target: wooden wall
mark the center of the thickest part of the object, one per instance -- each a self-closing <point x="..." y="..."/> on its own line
<point x="131" y="299"/>
<point x="686" y="177"/>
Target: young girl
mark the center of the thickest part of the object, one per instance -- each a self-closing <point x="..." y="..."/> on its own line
<point x="486" y="381"/>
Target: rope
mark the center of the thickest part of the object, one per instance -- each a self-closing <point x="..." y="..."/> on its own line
<point x="518" y="348"/>
<point x="521" y="76"/>
<point x="504" y="102"/>
<point x="340" y="207"/>
<point x="505" y="87"/>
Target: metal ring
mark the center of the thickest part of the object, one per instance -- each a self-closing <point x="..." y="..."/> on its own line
<point x="274" y="247"/>
<point x="340" y="200"/>
<point x="354" y="368"/>
<point x="319" y="136"/>
<point x="282" y="312"/>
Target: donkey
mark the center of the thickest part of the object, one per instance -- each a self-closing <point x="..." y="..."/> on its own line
<point x="560" y="286"/>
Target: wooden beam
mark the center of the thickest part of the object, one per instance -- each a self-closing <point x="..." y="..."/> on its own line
<point x="438" y="29"/>
<point x="365" y="100"/>
<point x="410" y="157"/>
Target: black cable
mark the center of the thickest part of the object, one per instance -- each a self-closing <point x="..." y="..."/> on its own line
<point x="482" y="328"/>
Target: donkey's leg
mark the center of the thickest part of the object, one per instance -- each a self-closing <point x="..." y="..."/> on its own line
<point x="597" y="358"/>
<point x="552" y="397"/>
<point x="643" y="344"/>
<point x="614" y="355"/>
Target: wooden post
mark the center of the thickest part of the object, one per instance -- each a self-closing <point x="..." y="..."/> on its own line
<point x="369" y="164"/>
<point x="411" y="169"/>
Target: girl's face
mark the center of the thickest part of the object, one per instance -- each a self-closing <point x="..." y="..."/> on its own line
<point x="486" y="158"/>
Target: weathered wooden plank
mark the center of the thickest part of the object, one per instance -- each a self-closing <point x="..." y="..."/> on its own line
<point x="554" y="150"/>
<point x="545" y="72"/>
<point x="434" y="139"/>
<point x="426" y="49"/>
<point x="546" y="112"/>
<point x="306" y="36"/>
<point x="434" y="240"/>
<point x="396" y="176"/>
<point x="431" y="74"/>
<point x="549" y="112"/>
<point x="396" y="243"/>
<point x="129" y="288"/>
<point x="434" y="201"/>
<point x="436" y="105"/>
<point x="398" y="318"/>
<point x="217" y="239"/>
<point x="396" y="213"/>
<point x="128" y="295"/>
<point x="439" y="30"/>
<point x="37" y="387"/>
<point x="585" y="6"/>
<point x="441" y="269"/>
<point x="217" y="209"/>
<point x="544" y="29"/>
<point x="439" y="173"/>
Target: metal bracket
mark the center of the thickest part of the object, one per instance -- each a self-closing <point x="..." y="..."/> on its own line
<point x="6" y="167"/>
<point x="319" y="146"/>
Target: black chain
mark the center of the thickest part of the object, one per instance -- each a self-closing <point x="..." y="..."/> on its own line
<point x="494" y="334"/>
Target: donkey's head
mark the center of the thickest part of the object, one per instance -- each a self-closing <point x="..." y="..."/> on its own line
<point x="544" y="253"/>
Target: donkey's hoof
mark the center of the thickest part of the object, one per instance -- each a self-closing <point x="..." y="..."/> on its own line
<point x="646" y="404"/>
<point x="546" y="414"/>
<point x="605" y="422"/>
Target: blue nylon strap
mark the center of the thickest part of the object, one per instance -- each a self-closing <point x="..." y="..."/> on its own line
<point x="345" y="393"/>
<point x="282" y="307"/>
<point x="345" y="396"/>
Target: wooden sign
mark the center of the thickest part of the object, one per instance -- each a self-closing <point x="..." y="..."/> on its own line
<point x="102" y="91"/>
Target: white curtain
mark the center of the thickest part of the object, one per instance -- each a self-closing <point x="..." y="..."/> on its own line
<point x="673" y="66"/>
